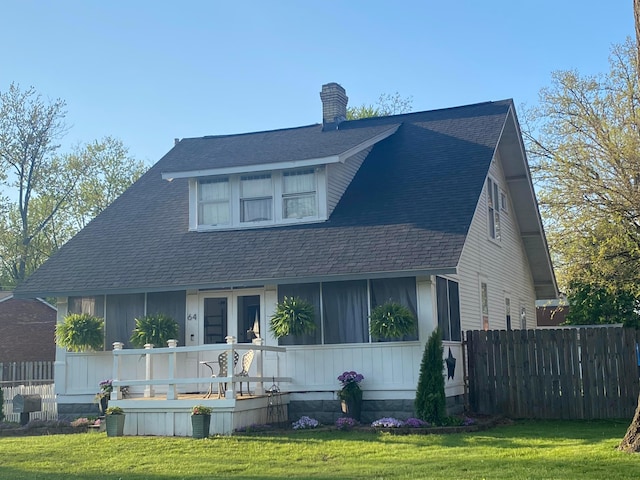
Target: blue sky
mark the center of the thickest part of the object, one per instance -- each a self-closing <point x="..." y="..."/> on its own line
<point x="150" y="71"/>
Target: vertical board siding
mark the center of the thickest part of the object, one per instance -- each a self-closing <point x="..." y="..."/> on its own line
<point x="573" y="373"/>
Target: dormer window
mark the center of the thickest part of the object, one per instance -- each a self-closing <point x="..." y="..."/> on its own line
<point x="256" y="198"/>
<point x="213" y="202"/>
<point x="277" y="197"/>
<point x="299" y="194"/>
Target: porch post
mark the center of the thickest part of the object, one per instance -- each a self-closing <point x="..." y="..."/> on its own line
<point x="148" y="389"/>
<point x="229" y="393"/>
<point x="260" y="385"/>
<point x="116" y="394"/>
<point x="171" y="389"/>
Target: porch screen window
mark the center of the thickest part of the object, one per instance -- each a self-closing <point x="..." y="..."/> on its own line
<point x="213" y="202"/>
<point x="399" y="290"/>
<point x="256" y="198"/>
<point x="448" y="298"/>
<point x="493" y="202"/>
<point x="122" y="310"/>
<point x="299" y="194"/>
<point x="89" y="305"/>
<point x="345" y="312"/>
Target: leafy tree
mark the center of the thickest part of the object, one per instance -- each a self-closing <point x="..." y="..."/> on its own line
<point x="594" y="305"/>
<point x="387" y="104"/>
<point x="430" y="402"/>
<point x="584" y="142"/>
<point x="49" y="196"/>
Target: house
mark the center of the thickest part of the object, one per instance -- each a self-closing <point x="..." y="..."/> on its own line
<point x="433" y="209"/>
<point x="27" y="329"/>
<point x="551" y="312"/>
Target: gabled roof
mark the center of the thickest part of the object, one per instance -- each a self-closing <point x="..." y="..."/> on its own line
<point x="408" y="209"/>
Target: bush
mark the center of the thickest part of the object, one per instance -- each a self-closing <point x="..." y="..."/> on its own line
<point x="430" y="403"/>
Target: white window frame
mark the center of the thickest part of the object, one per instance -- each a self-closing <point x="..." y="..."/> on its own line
<point x="277" y="199"/>
<point x="493" y="209"/>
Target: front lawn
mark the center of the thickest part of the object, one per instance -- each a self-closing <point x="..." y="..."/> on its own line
<point x="531" y="450"/>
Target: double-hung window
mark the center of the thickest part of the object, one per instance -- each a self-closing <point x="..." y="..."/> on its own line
<point x="299" y="194"/>
<point x="493" y="203"/>
<point x="213" y="202"/>
<point x="256" y="198"/>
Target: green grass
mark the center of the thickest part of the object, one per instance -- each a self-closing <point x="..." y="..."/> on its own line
<point x="531" y="450"/>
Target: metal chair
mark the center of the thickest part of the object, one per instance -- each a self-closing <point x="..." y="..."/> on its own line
<point x="247" y="359"/>
<point x="223" y="370"/>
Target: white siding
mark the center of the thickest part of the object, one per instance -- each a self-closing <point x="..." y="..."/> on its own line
<point x="503" y="264"/>
<point x="339" y="176"/>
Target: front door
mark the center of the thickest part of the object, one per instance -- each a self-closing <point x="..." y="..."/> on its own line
<point x="236" y="313"/>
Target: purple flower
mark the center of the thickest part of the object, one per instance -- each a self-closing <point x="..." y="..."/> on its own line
<point x="415" y="423"/>
<point x="388" y="422"/>
<point x="350" y="377"/>
<point x="305" y="422"/>
<point x="346" y="423"/>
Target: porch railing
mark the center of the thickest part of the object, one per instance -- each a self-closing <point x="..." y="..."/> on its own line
<point x="172" y="380"/>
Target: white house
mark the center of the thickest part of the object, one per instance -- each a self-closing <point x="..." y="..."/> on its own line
<point x="433" y="209"/>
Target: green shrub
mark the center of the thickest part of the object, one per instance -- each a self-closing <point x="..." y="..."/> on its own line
<point x="155" y="329"/>
<point x="293" y="316"/>
<point x="430" y="402"/>
<point x="80" y="332"/>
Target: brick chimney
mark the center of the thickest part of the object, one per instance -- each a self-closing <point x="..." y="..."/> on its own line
<point x="334" y="105"/>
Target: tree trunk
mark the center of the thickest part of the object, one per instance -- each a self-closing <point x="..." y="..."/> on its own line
<point x="631" y="441"/>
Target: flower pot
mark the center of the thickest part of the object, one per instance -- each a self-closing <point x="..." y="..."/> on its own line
<point x="104" y="403"/>
<point x="115" y="425"/>
<point x="200" y="425"/>
<point x="352" y="407"/>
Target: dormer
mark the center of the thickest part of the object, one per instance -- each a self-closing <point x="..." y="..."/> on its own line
<point x="274" y="178"/>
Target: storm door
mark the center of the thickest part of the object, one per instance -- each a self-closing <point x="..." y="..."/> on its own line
<point x="236" y="313"/>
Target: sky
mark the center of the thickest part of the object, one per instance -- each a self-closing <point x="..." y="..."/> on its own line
<point x="147" y="72"/>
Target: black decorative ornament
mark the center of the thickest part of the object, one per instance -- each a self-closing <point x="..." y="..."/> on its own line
<point x="451" y="365"/>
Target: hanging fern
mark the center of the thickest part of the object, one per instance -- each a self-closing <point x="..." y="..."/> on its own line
<point x="392" y="320"/>
<point x="293" y="316"/>
<point x="80" y="332"/>
<point x="155" y="329"/>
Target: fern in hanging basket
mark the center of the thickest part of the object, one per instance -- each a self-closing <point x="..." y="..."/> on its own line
<point x="391" y="320"/>
<point x="293" y="316"/>
<point x="80" y="332"/>
<point x="155" y="329"/>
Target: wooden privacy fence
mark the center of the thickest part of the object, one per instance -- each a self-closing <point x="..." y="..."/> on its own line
<point x="26" y="373"/>
<point x="568" y="373"/>
<point x="49" y="406"/>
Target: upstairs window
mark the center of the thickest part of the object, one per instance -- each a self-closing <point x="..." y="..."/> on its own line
<point x="213" y="202"/>
<point x="256" y="198"/>
<point x="299" y="194"/>
<point x="493" y="204"/>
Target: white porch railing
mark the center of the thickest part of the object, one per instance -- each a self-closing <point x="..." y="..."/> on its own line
<point x="169" y="363"/>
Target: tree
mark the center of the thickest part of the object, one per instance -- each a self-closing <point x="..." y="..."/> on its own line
<point x="49" y="197"/>
<point x="387" y="104"/>
<point x="430" y="402"/>
<point x="584" y="142"/>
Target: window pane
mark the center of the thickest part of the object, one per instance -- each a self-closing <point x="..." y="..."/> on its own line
<point x="89" y="305"/>
<point x="299" y="206"/>
<point x="311" y="293"/>
<point x="345" y="312"/>
<point x="299" y="182"/>
<point x="256" y="210"/>
<point x="213" y="213"/>
<point x="256" y="186"/>
<point x="443" y="307"/>
<point x="213" y="190"/>
<point x="454" y="310"/>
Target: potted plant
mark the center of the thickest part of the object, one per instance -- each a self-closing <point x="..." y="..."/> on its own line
<point x="114" y="417"/>
<point x="102" y="397"/>
<point x="200" y="421"/>
<point x="391" y="320"/>
<point x="350" y="394"/>
<point x="80" y="332"/>
<point x="154" y="329"/>
<point x="293" y="316"/>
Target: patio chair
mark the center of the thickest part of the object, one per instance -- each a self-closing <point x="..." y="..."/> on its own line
<point x="223" y="370"/>
<point x="247" y="359"/>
